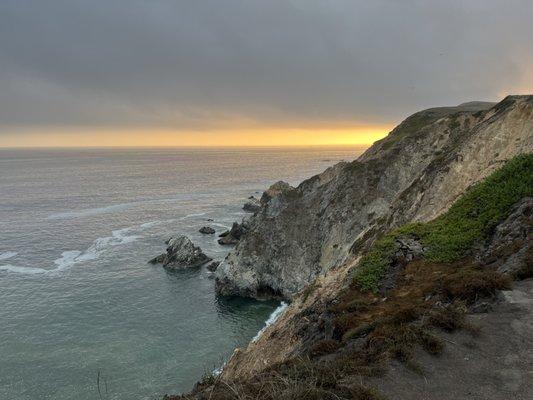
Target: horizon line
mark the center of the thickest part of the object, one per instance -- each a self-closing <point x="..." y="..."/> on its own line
<point x="188" y="146"/>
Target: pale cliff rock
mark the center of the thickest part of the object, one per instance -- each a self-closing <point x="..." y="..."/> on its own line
<point x="414" y="174"/>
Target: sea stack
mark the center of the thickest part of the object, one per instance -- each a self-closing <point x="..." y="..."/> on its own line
<point x="181" y="253"/>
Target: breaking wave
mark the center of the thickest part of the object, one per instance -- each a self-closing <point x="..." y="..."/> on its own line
<point x="273" y="318"/>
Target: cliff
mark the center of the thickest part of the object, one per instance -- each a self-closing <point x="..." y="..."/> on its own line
<point x="414" y="174"/>
<point x="399" y="267"/>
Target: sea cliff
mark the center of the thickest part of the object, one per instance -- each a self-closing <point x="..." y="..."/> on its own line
<point x="390" y="258"/>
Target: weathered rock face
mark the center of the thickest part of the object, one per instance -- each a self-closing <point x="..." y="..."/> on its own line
<point x="510" y="249"/>
<point x="235" y="234"/>
<point x="275" y="190"/>
<point x="414" y="174"/>
<point x="181" y="253"/>
<point x="253" y="205"/>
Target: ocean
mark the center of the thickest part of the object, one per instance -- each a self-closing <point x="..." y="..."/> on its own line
<point x="78" y="301"/>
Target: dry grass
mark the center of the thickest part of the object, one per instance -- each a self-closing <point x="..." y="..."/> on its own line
<point x="369" y="331"/>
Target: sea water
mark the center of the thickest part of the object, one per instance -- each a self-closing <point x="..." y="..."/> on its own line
<point x="82" y="314"/>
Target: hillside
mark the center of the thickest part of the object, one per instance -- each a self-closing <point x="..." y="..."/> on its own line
<point x="390" y="261"/>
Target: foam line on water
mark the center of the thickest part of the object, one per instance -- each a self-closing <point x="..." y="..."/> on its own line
<point x="73" y="257"/>
<point x="193" y="215"/>
<point x="273" y="318"/>
<point x="147" y="225"/>
<point x="7" y="255"/>
<point x="123" y="206"/>
<point x="22" y="270"/>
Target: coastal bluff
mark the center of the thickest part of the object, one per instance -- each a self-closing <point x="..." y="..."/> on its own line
<point x="414" y="174"/>
<point x="409" y="271"/>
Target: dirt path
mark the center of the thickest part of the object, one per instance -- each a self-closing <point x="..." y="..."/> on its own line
<point x="496" y="365"/>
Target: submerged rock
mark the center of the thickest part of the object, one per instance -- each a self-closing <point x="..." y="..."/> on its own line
<point x="206" y="230"/>
<point x="253" y="205"/>
<point x="181" y="253"/>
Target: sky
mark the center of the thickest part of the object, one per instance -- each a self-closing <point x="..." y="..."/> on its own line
<point x="249" y="72"/>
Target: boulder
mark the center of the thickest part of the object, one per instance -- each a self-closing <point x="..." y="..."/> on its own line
<point x="207" y="230"/>
<point x="181" y="253"/>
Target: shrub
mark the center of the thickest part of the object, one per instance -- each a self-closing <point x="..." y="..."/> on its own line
<point x="468" y="221"/>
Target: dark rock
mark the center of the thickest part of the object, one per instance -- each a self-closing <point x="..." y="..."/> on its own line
<point x="253" y="205"/>
<point x="228" y="240"/>
<point x="207" y="230"/>
<point x="236" y="232"/>
<point x="181" y="253"/>
<point x="212" y="266"/>
<point x="225" y="233"/>
<point x="158" y="259"/>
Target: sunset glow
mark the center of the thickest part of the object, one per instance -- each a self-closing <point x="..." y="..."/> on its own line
<point x="362" y="135"/>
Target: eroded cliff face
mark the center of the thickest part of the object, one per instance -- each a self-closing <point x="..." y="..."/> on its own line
<point x="414" y="174"/>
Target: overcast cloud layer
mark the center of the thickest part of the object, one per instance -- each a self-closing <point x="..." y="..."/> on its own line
<point x="204" y="64"/>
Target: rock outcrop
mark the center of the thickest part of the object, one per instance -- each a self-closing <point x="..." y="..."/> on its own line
<point x="234" y="235"/>
<point x="510" y="249"/>
<point x="181" y="253"/>
<point x="253" y="205"/>
<point x="414" y="174"/>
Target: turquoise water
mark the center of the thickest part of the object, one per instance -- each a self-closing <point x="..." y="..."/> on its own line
<point x="78" y="299"/>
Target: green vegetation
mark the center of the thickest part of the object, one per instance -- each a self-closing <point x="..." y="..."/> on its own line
<point x="470" y="220"/>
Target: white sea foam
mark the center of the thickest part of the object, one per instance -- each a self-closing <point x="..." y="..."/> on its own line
<point x="147" y="225"/>
<point x="273" y="318"/>
<point x="100" y="245"/>
<point x="193" y="215"/>
<point x="22" y="270"/>
<point x="7" y="254"/>
<point x="68" y="258"/>
<point x="73" y="257"/>
<point x="225" y="226"/>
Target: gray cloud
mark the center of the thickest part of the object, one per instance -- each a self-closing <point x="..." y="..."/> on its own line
<point x="200" y="64"/>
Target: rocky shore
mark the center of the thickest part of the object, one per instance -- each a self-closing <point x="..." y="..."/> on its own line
<point x="420" y="248"/>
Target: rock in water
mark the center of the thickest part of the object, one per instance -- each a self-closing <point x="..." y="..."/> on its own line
<point x="235" y="234"/>
<point x="212" y="266"/>
<point x="207" y="230"/>
<point x="253" y="205"/>
<point x="181" y="253"/>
